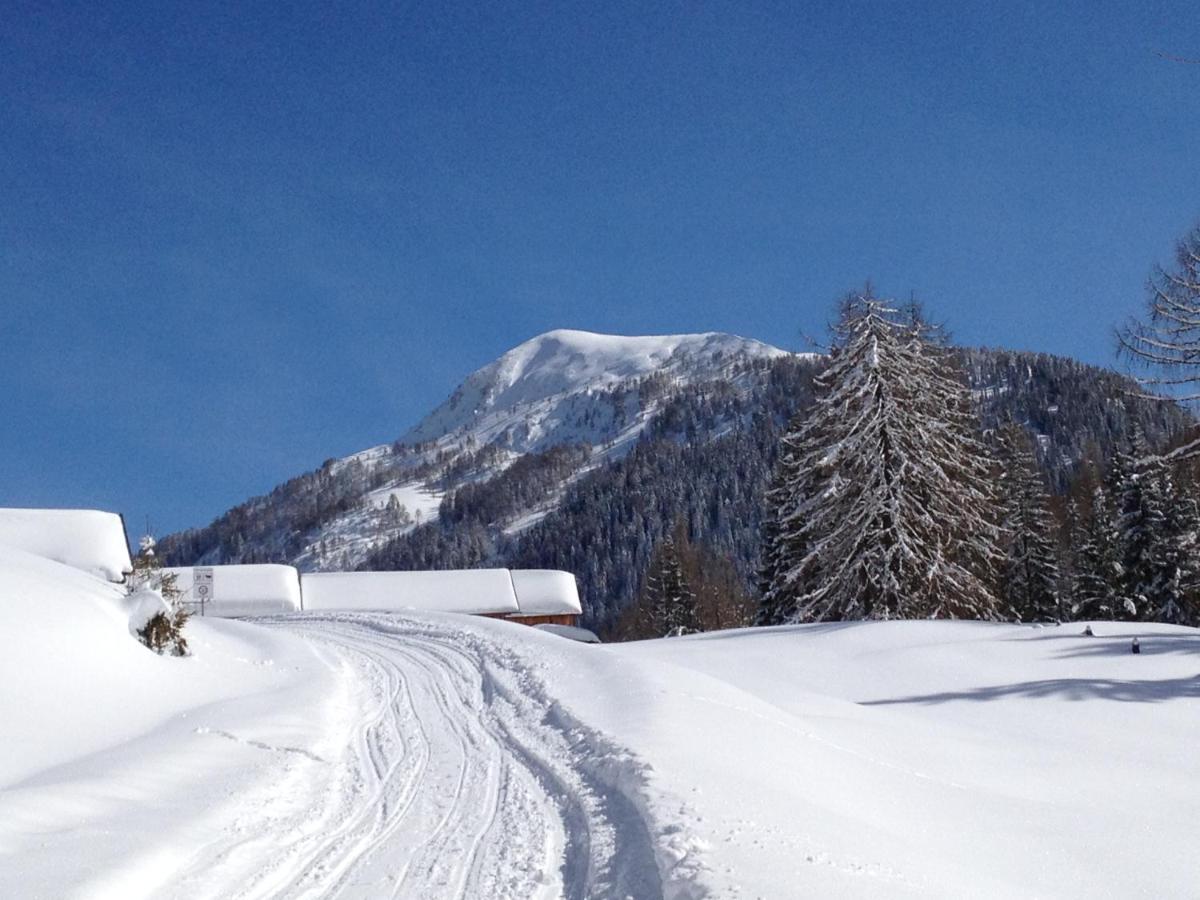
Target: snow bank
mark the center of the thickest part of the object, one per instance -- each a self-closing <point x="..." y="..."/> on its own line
<point x="116" y="763"/>
<point x="546" y="592"/>
<point x="247" y="590"/>
<point x="86" y="539"/>
<point x="75" y="680"/>
<point x="474" y="591"/>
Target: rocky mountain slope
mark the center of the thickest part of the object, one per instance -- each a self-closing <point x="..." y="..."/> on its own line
<point x="579" y="399"/>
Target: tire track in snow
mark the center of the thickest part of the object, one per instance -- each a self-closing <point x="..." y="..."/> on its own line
<point x="463" y="779"/>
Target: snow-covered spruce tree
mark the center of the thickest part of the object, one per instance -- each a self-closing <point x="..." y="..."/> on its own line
<point x="1095" y="588"/>
<point x="1140" y="534"/>
<point x="777" y="595"/>
<point x="1030" y="568"/>
<point x="889" y="506"/>
<point x="164" y="630"/>
<point x="668" y="597"/>
<point x="1180" y="565"/>
<point x="1157" y="530"/>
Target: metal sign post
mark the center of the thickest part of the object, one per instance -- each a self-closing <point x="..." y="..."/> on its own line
<point x="202" y="586"/>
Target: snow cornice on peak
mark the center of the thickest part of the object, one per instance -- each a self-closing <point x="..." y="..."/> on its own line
<point x="566" y="362"/>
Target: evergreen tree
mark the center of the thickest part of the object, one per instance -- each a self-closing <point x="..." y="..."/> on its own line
<point x="1095" y="580"/>
<point x="164" y="630"/>
<point x="1178" y="570"/>
<point x="669" y="598"/>
<point x="1070" y="540"/>
<point x="1145" y="579"/>
<point x="888" y="500"/>
<point x="1157" y="531"/>
<point x="778" y="595"/>
<point x="1030" y="568"/>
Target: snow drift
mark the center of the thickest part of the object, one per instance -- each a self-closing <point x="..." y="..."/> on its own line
<point x="117" y="763"/>
<point x="85" y="539"/>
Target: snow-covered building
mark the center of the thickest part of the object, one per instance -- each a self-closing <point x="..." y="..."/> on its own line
<point x="240" y="590"/>
<point x="87" y="539"/>
<point x="546" y="597"/>
<point x="480" y="592"/>
<point x="532" y="597"/>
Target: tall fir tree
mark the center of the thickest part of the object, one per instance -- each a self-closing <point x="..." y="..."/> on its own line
<point x="1030" y="568"/>
<point x="778" y="597"/>
<point x="1183" y="528"/>
<point x="668" y="596"/>
<point x="1140" y="525"/>
<point x="1159" y="533"/>
<point x="887" y="511"/>
<point x="1070" y="540"/>
<point x="1095" y="581"/>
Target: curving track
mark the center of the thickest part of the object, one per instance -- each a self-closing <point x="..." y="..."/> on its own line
<point x="461" y="778"/>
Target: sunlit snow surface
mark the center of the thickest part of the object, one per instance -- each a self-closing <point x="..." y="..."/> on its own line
<point x="367" y="755"/>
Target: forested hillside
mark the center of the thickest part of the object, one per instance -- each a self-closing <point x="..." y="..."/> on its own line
<point x="708" y="457"/>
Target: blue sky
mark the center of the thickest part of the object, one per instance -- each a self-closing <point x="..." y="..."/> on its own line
<point x="237" y="240"/>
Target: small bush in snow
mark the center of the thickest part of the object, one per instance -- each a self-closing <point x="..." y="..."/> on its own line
<point x="163" y="632"/>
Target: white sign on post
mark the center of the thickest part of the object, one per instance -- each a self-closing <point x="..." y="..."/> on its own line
<point x="202" y="587"/>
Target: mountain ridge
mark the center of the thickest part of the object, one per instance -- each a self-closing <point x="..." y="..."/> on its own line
<point x="564" y="387"/>
<point x="564" y="362"/>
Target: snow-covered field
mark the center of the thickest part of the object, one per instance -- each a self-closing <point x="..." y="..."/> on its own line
<point x="375" y="755"/>
<point x="945" y="759"/>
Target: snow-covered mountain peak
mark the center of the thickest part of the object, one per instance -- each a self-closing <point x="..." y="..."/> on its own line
<point x="566" y="362"/>
<point x="563" y="389"/>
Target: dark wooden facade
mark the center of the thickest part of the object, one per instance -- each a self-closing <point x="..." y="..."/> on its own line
<point x="557" y="619"/>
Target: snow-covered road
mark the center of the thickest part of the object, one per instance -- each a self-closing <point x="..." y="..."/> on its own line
<point x="461" y="778"/>
<point x="429" y="755"/>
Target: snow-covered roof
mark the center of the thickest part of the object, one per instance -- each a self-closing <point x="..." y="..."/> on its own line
<point x="546" y="592"/>
<point x="86" y="539"/>
<point x="247" y="590"/>
<point x="474" y="591"/>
